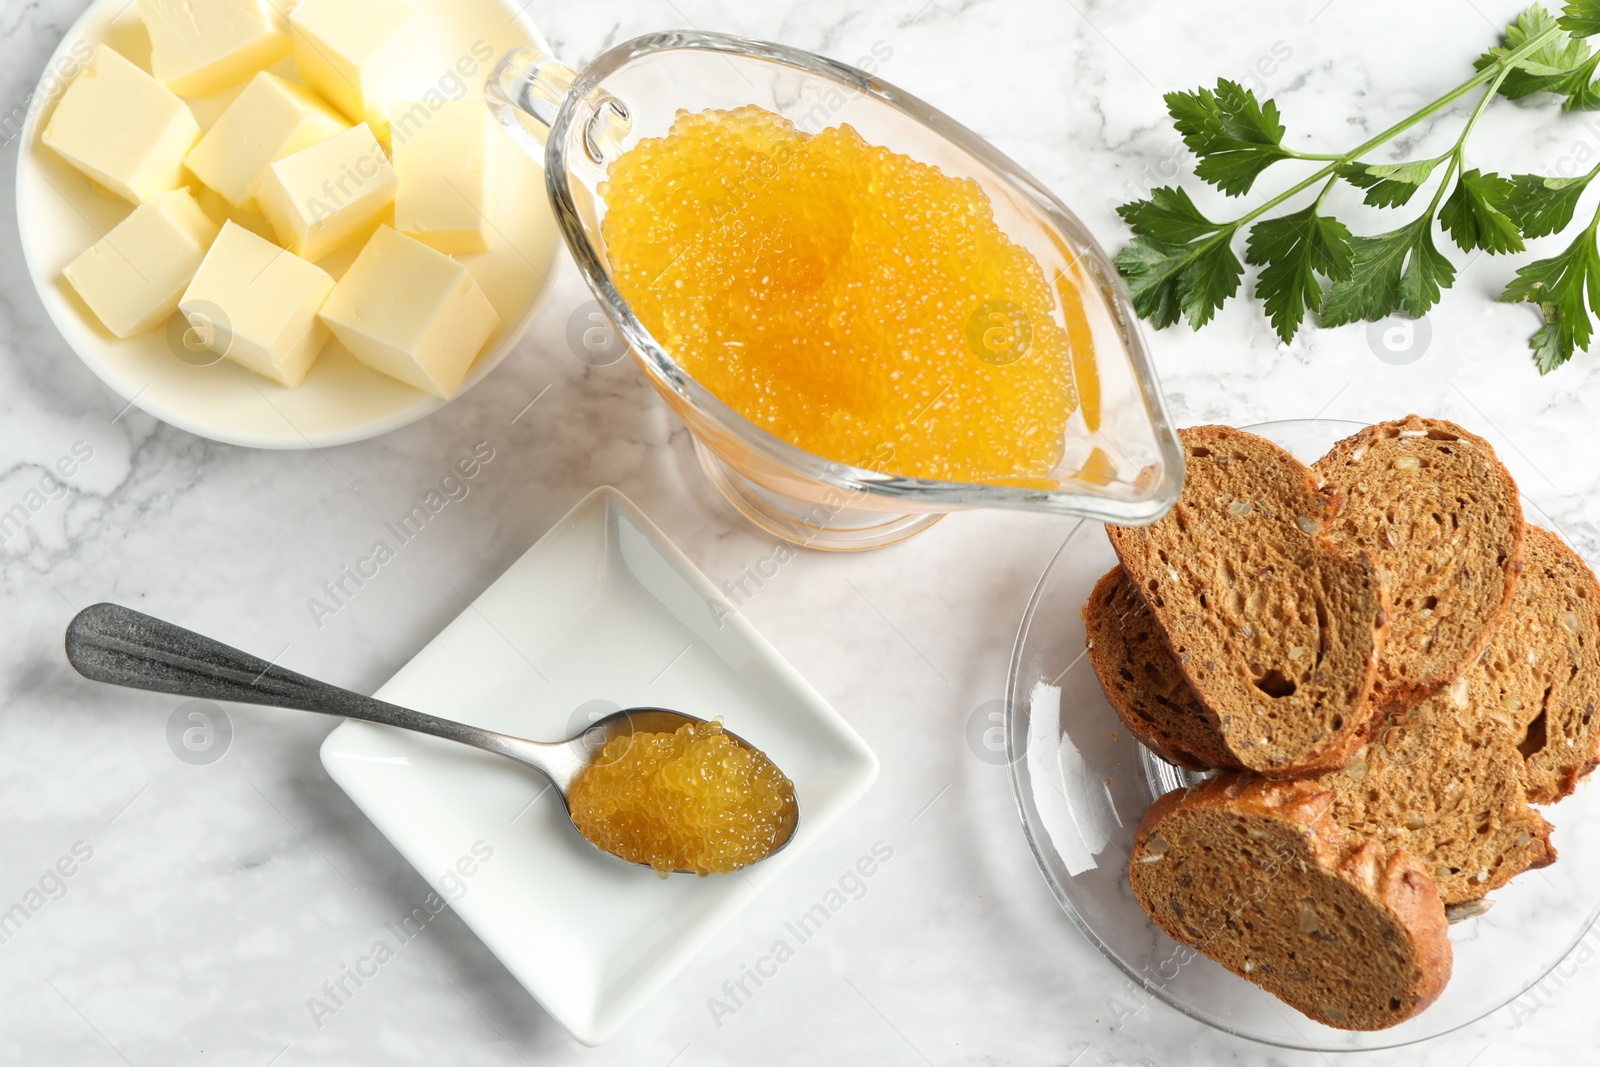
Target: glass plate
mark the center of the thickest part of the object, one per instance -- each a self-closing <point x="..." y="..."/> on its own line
<point x="1082" y="783"/>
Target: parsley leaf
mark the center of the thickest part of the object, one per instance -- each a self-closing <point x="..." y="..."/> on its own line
<point x="1398" y="270"/>
<point x="1542" y="206"/>
<point x="1169" y="215"/>
<point x="1548" y="346"/>
<point x="1582" y="94"/>
<point x="1561" y="65"/>
<point x="1180" y="264"/>
<point x="1389" y="184"/>
<point x="1235" y="135"/>
<point x="1293" y="250"/>
<point x="1581" y="18"/>
<point x="1476" y="217"/>
<point x="1166" y="279"/>
<point x="1560" y="286"/>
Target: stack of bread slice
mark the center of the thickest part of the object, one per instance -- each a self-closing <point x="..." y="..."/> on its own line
<point x="1385" y="667"/>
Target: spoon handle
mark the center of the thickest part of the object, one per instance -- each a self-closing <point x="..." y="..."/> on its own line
<point x="110" y="643"/>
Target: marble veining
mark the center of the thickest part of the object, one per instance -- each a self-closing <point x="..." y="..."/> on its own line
<point x="209" y="905"/>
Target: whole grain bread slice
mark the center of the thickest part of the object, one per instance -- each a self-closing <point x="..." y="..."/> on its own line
<point x="1276" y="629"/>
<point x="1442" y="780"/>
<point x="1541" y="673"/>
<point x="1442" y="518"/>
<point x="1142" y="680"/>
<point x="1254" y="873"/>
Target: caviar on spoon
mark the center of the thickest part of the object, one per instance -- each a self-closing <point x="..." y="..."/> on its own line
<point x="651" y="786"/>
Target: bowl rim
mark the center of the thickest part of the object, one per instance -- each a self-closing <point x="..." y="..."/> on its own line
<point x="1022" y="799"/>
<point x="1157" y="497"/>
<point x="98" y="353"/>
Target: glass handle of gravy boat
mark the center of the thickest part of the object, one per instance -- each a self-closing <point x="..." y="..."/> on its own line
<point x="526" y="91"/>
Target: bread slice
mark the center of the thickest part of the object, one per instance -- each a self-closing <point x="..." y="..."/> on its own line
<point x="1142" y="681"/>
<point x="1442" y="780"/>
<point x="1277" y="630"/>
<point x="1442" y="518"/>
<point x="1255" y="874"/>
<point x="1541" y="672"/>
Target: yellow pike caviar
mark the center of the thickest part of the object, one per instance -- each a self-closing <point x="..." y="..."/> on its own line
<point x="693" y="800"/>
<point x="855" y="302"/>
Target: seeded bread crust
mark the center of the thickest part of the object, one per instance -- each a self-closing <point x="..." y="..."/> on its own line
<point x="1442" y="517"/>
<point x="1541" y="673"/>
<point x="1254" y="874"/>
<point x="1142" y="680"/>
<point x="1277" y="629"/>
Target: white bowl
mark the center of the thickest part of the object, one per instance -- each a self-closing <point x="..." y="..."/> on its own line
<point x="602" y="613"/>
<point x="60" y="213"/>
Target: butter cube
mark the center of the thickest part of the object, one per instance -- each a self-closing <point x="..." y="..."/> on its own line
<point x="258" y="305"/>
<point x="123" y="129"/>
<point x="359" y="54"/>
<point x="444" y="155"/>
<point x="133" y="276"/>
<point x="201" y="47"/>
<point x="270" y="119"/>
<point x="186" y="209"/>
<point x="411" y="313"/>
<point x="333" y="192"/>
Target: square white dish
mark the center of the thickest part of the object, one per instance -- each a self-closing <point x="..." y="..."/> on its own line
<point x="602" y="612"/>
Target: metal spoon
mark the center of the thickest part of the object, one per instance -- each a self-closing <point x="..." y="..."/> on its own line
<point x="110" y="643"/>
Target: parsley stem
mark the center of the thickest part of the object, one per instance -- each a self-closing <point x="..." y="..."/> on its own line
<point x="1326" y="189"/>
<point x="1483" y="102"/>
<point x="1455" y="154"/>
<point x="1444" y="183"/>
<point x="1495" y="72"/>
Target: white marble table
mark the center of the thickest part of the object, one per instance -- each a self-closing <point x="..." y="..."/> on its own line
<point x="215" y="900"/>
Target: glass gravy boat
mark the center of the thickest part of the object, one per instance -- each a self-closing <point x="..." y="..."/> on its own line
<point x="1120" y="460"/>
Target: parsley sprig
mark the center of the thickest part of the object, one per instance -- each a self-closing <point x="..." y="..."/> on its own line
<point x="1182" y="264"/>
